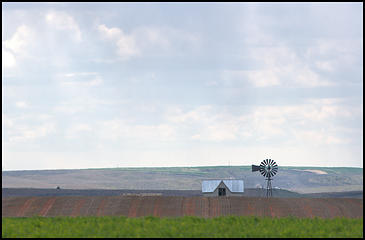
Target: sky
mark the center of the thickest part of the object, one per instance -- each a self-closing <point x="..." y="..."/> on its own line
<point x="101" y="85"/>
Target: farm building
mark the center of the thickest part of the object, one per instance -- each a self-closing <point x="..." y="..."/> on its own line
<point x="228" y="187"/>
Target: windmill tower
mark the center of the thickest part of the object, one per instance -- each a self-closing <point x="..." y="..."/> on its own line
<point x="268" y="168"/>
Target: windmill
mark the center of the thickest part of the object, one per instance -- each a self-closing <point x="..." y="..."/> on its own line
<point x="268" y="168"/>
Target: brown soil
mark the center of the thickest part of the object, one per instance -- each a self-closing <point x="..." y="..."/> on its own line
<point x="176" y="206"/>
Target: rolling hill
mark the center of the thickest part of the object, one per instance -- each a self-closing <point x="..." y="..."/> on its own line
<point x="296" y="179"/>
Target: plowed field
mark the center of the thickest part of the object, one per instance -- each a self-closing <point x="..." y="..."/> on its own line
<point x="168" y="206"/>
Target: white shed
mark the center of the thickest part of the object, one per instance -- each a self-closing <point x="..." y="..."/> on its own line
<point x="222" y="187"/>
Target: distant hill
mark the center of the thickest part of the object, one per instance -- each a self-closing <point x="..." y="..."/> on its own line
<point x="293" y="179"/>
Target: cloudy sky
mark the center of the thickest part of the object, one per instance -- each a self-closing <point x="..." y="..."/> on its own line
<point x="88" y="85"/>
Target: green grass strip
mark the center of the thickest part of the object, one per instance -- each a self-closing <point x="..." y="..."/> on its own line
<point x="187" y="227"/>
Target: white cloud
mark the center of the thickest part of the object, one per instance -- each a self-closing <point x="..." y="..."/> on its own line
<point x="20" y="40"/>
<point x="285" y="123"/>
<point x="6" y="122"/>
<point x="319" y="137"/>
<point x="80" y="79"/>
<point x="200" y="114"/>
<point x="21" y="104"/>
<point x="17" y="46"/>
<point x="294" y="58"/>
<point x="166" y="39"/>
<point x="332" y="55"/>
<point x="79" y="102"/>
<point x="78" y="130"/>
<point x="282" y="66"/>
<point x="147" y="40"/>
<point x="69" y="108"/>
<point x="77" y="74"/>
<point x="21" y="133"/>
<point x="203" y="124"/>
<point x="152" y="36"/>
<point x="262" y="78"/>
<point x="277" y="66"/>
<point x="81" y="127"/>
<point x="118" y="129"/>
<point x="27" y="127"/>
<point x="325" y="65"/>
<point x="329" y="47"/>
<point x="218" y="132"/>
<point x="64" y="21"/>
<point x="126" y="44"/>
<point x="96" y="81"/>
<point x="8" y="59"/>
<point x="110" y="33"/>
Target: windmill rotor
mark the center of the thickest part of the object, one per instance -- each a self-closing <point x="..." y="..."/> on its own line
<point x="268" y="168"/>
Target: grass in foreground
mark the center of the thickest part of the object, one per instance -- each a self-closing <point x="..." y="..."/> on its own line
<point x="231" y="226"/>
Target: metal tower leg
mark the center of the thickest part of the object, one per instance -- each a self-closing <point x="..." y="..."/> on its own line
<point x="268" y="188"/>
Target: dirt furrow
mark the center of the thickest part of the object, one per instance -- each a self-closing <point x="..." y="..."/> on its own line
<point x="166" y="206"/>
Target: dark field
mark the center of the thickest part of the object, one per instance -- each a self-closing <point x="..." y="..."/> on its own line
<point x="178" y="206"/>
<point x="13" y="192"/>
<point x="279" y="193"/>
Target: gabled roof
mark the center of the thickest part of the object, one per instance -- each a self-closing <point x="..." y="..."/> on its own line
<point x="234" y="185"/>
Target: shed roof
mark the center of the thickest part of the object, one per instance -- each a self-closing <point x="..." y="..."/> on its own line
<point x="234" y="185"/>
